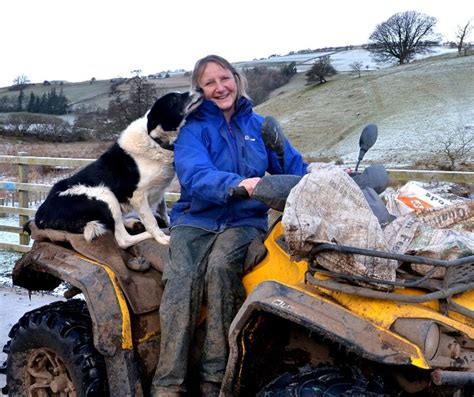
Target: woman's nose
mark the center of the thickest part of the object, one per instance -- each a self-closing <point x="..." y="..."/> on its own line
<point x="219" y="86"/>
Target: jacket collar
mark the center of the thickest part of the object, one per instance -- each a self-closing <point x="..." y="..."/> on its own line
<point x="209" y="109"/>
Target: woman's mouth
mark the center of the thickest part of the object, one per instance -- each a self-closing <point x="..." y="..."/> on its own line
<point x="221" y="97"/>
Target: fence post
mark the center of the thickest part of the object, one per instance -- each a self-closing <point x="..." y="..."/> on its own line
<point x="23" y="197"/>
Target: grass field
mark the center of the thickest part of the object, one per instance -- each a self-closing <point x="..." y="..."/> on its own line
<point x="413" y="105"/>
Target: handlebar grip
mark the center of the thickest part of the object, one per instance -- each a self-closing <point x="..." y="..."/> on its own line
<point x="239" y="192"/>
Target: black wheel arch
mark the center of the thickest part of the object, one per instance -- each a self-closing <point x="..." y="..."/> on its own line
<point x="273" y="309"/>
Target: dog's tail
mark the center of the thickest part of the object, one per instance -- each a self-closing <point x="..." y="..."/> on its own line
<point x="93" y="229"/>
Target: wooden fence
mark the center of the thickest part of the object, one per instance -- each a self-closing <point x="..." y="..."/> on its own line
<point x="26" y="193"/>
<point x="22" y="189"/>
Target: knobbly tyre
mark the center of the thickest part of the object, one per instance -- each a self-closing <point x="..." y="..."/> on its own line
<point x="302" y="331"/>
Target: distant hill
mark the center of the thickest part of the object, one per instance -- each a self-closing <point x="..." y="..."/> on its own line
<point x="96" y="93"/>
<point x="412" y="105"/>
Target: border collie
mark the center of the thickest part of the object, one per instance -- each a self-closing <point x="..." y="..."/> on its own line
<point x="133" y="171"/>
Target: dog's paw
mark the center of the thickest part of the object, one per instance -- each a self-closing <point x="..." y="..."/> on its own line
<point x="133" y="225"/>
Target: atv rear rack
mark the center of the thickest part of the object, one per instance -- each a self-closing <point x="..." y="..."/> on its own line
<point x="459" y="277"/>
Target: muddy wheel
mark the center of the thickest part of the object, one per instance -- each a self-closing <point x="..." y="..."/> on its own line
<point x="325" y="381"/>
<point x="51" y="353"/>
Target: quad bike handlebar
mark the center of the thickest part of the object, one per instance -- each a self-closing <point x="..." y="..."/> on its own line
<point x="239" y="192"/>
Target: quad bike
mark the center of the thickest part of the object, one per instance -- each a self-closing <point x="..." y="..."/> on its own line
<point x="302" y="331"/>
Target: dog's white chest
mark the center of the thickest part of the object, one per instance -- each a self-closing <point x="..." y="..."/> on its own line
<point x="155" y="172"/>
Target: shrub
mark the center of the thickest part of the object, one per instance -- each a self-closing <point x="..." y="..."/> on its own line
<point x="263" y="80"/>
<point x="43" y="127"/>
<point x="456" y="146"/>
<point x="320" y="70"/>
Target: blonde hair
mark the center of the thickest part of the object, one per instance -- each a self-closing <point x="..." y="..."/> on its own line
<point x="240" y="78"/>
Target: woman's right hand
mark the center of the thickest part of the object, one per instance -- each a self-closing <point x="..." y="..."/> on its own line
<point x="249" y="184"/>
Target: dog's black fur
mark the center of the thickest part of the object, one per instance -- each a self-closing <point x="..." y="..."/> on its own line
<point x="139" y="165"/>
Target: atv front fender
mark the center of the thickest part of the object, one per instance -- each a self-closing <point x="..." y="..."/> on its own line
<point x="105" y="300"/>
<point x="47" y="264"/>
<point x="321" y="316"/>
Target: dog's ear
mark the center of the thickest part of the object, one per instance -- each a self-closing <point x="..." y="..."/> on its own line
<point x="168" y="111"/>
<point x="153" y="117"/>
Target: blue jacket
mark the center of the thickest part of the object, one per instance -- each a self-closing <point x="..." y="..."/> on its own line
<point x="212" y="156"/>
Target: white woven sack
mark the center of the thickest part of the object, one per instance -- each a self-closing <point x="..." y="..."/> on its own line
<point x="328" y="206"/>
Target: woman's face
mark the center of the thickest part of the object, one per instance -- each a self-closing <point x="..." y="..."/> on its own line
<point x="218" y="85"/>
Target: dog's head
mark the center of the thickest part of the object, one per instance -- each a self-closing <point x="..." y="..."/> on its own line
<point x="168" y="114"/>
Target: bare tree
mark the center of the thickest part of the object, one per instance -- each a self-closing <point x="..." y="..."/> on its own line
<point x="403" y="36"/>
<point x="123" y="108"/>
<point x="262" y="80"/>
<point x="356" y="67"/>
<point x="20" y="82"/>
<point x="320" y="69"/>
<point x="461" y="35"/>
<point x="458" y="145"/>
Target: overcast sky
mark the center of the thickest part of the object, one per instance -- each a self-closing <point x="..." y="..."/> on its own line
<point x="81" y="39"/>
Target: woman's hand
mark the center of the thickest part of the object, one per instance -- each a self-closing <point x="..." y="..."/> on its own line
<point x="249" y="184"/>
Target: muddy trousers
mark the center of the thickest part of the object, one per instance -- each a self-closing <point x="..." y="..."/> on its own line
<point x="205" y="267"/>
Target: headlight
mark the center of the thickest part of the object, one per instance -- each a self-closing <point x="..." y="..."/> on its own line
<point x="423" y="333"/>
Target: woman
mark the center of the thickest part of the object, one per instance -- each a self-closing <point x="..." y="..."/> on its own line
<point x="219" y="148"/>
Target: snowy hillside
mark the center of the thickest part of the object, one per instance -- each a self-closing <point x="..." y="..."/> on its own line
<point x="413" y="105"/>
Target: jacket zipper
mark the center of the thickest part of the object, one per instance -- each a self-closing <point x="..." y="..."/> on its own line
<point x="234" y="147"/>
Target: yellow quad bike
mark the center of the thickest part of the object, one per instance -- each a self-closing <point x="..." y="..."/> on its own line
<point x="302" y="331"/>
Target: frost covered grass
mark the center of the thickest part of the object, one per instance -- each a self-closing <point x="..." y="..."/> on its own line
<point x="8" y="258"/>
<point x="7" y="261"/>
<point x="413" y="105"/>
<point x="436" y="103"/>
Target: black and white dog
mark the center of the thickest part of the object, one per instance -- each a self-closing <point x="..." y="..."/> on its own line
<point x="138" y="166"/>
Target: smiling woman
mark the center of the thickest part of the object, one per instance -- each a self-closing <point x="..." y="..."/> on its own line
<point x="220" y="148"/>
